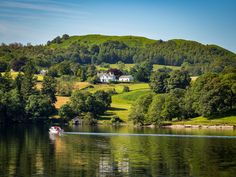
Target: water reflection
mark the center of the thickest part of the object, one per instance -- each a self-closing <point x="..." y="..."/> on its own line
<point x="30" y="151"/>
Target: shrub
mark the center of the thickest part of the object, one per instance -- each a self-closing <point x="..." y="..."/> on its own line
<point x="115" y="119"/>
<point x="126" y="89"/>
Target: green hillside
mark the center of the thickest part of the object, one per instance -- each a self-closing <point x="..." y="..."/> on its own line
<point x="193" y="56"/>
<point x="96" y="39"/>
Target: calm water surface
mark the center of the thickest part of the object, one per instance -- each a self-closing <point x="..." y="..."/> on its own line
<point x="30" y="151"/>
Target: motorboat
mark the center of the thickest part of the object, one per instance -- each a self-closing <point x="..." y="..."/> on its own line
<point x="56" y="130"/>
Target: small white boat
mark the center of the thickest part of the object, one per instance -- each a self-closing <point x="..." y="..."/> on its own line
<point x="55" y="130"/>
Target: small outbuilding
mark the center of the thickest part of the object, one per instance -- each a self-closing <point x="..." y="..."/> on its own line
<point x="126" y="78"/>
<point x="76" y="121"/>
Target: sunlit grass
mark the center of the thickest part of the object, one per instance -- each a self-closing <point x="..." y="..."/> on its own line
<point x="129" y="66"/>
<point x="227" y="120"/>
<point x="15" y="74"/>
<point x="61" y="100"/>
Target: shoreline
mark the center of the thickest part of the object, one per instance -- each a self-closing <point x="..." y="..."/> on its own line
<point x="178" y="126"/>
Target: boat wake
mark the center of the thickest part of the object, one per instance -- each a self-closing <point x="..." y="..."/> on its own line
<point x="154" y="135"/>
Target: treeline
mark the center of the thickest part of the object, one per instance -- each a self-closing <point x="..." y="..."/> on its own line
<point x="174" y="97"/>
<point x="195" y="57"/>
<point x="21" y="101"/>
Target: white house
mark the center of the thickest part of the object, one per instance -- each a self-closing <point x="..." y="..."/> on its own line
<point x="107" y="77"/>
<point x="126" y="78"/>
<point x="43" y="72"/>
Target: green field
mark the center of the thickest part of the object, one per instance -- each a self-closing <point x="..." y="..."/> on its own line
<point x="227" y="120"/>
<point x="129" y="66"/>
<point x="122" y="102"/>
<point x="14" y="75"/>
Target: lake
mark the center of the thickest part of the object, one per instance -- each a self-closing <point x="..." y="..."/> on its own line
<point x="30" y="151"/>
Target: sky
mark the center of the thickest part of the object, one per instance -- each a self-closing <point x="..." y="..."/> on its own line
<point x="37" y="21"/>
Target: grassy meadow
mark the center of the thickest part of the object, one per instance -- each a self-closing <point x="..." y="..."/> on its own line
<point x="129" y="66"/>
<point x="14" y="75"/>
<point x="227" y="120"/>
<point x="121" y="102"/>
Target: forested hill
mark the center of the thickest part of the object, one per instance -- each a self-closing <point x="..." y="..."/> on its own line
<point x="128" y="49"/>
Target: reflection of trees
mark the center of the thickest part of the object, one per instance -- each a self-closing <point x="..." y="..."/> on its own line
<point x="28" y="151"/>
<point x="155" y="156"/>
<point x="24" y="151"/>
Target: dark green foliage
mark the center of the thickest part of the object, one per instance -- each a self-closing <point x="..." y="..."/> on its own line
<point x="65" y="36"/>
<point x="173" y="105"/>
<point x="6" y="82"/>
<point x="89" y="119"/>
<point x="210" y="95"/>
<point x="49" y="88"/>
<point x="158" y="80"/>
<point x="84" y="102"/>
<point x="154" y="114"/>
<point x="115" y="120"/>
<point x="39" y="107"/>
<point x="116" y="72"/>
<point x="96" y="49"/>
<point x="65" y="85"/>
<point x="19" y="99"/>
<point x="18" y="64"/>
<point x="11" y="108"/>
<point x="3" y="66"/>
<point x="125" y="89"/>
<point x="28" y="84"/>
<point x="213" y="94"/>
<point x="104" y="98"/>
<point x="178" y="79"/>
<point x="66" y="112"/>
<point x="164" y="80"/>
<point x="142" y="71"/>
<point x="139" y="109"/>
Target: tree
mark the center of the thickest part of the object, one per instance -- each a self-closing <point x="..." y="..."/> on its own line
<point x="215" y="98"/>
<point x="154" y="115"/>
<point x="11" y="108"/>
<point x="39" y="107"/>
<point x="89" y="118"/>
<point x="66" y="112"/>
<point x="139" y="109"/>
<point x="6" y="82"/>
<point x="142" y="72"/>
<point x="178" y="79"/>
<point x="78" y="101"/>
<point x="83" y="102"/>
<point x="28" y="86"/>
<point x="125" y="89"/>
<point x="211" y="95"/>
<point x="116" y="72"/>
<point x="65" y="36"/>
<point x="173" y="105"/>
<point x="49" y="88"/>
<point x="3" y="66"/>
<point x="121" y="65"/>
<point x="18" y="64"/>
<point x="64" y="68"/>
<point x="94" y="49"/>
<point x="104" y="98"/>
<point x="158" y="80"/>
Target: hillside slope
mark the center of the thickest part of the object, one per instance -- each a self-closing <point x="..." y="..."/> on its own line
<point x="97" y="49"/>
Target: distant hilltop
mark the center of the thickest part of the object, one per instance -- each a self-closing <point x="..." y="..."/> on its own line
<point x="99" y="49"/>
